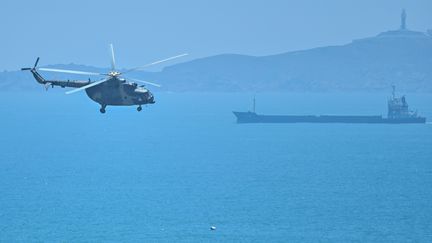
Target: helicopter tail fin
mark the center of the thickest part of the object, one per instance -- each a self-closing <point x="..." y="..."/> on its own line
<point x="36" y="75"/>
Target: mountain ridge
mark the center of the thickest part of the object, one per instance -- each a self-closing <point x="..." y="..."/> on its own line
<point x="401" y="57"/>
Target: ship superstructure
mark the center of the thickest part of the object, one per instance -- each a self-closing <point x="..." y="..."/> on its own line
<point x="398" y="107"/>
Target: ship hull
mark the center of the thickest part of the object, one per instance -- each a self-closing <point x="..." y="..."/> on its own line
<point x="251" y="117"/>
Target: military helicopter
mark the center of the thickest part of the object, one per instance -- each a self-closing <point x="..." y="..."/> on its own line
<point x="113" y="90"/>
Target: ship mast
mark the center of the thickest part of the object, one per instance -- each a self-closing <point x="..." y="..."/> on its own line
<point x="253" y="104"/>
<point x="394" y="91"/>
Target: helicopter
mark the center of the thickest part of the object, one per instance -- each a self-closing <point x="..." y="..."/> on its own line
<point x="113" y="90"/>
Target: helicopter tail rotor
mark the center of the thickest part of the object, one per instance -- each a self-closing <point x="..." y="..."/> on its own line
<point x="34" y="67"/>
<point x="36" y="63"/>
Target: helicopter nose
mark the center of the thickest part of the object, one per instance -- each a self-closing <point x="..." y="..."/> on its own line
<point x="151" y="98"/>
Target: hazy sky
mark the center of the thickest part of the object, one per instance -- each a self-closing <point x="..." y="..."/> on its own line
<point x="79" y="31"/>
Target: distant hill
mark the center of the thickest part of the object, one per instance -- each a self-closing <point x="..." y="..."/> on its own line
<point x="400" y="57"/>
<point x="403" y="58"/>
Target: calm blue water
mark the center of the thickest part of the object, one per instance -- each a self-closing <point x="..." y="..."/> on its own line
<point x="70" y="174"/>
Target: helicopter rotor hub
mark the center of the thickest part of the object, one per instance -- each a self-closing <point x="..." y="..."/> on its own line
<point x="114" y="73"/>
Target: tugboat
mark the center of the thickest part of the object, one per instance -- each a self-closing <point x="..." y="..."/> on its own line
<point x="398" y="113"/>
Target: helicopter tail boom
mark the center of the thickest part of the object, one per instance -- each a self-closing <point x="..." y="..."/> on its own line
<point x="52" y="83"/>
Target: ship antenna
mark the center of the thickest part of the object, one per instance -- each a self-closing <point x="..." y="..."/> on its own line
<point x="253" y="107"/>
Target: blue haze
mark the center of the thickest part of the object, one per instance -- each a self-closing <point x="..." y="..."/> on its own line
<point x="143" y="31"/>
<point x="70" y="174"/>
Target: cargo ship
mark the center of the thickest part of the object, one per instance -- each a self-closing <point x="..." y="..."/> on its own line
<point x="398" y="113"/>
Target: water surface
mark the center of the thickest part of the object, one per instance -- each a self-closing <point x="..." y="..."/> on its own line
<point x="168" y="173"/>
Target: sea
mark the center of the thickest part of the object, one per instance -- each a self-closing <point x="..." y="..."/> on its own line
<point x="181" y="166"/>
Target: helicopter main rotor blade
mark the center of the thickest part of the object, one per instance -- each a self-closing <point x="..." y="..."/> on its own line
<point x="87" y="86"/>
<point x="156" y="62"/>
<point x="145" y="82"/>
<point x="69" y="71"/>
<point x="112" y="57"/>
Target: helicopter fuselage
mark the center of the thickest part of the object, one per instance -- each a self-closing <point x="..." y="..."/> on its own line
<point x="115" y="91"/>
<point x="118" y="92"/>
<point x="112" y="90"/>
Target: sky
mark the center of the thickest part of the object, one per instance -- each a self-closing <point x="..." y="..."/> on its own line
<point x="80" y="31"/>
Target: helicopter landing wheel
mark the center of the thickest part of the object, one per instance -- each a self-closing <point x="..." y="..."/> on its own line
<point x="102" y="109"/>
<point x="139" y="108"/>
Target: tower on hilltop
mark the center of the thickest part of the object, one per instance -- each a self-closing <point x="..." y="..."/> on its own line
<point x="403" y="20"/>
